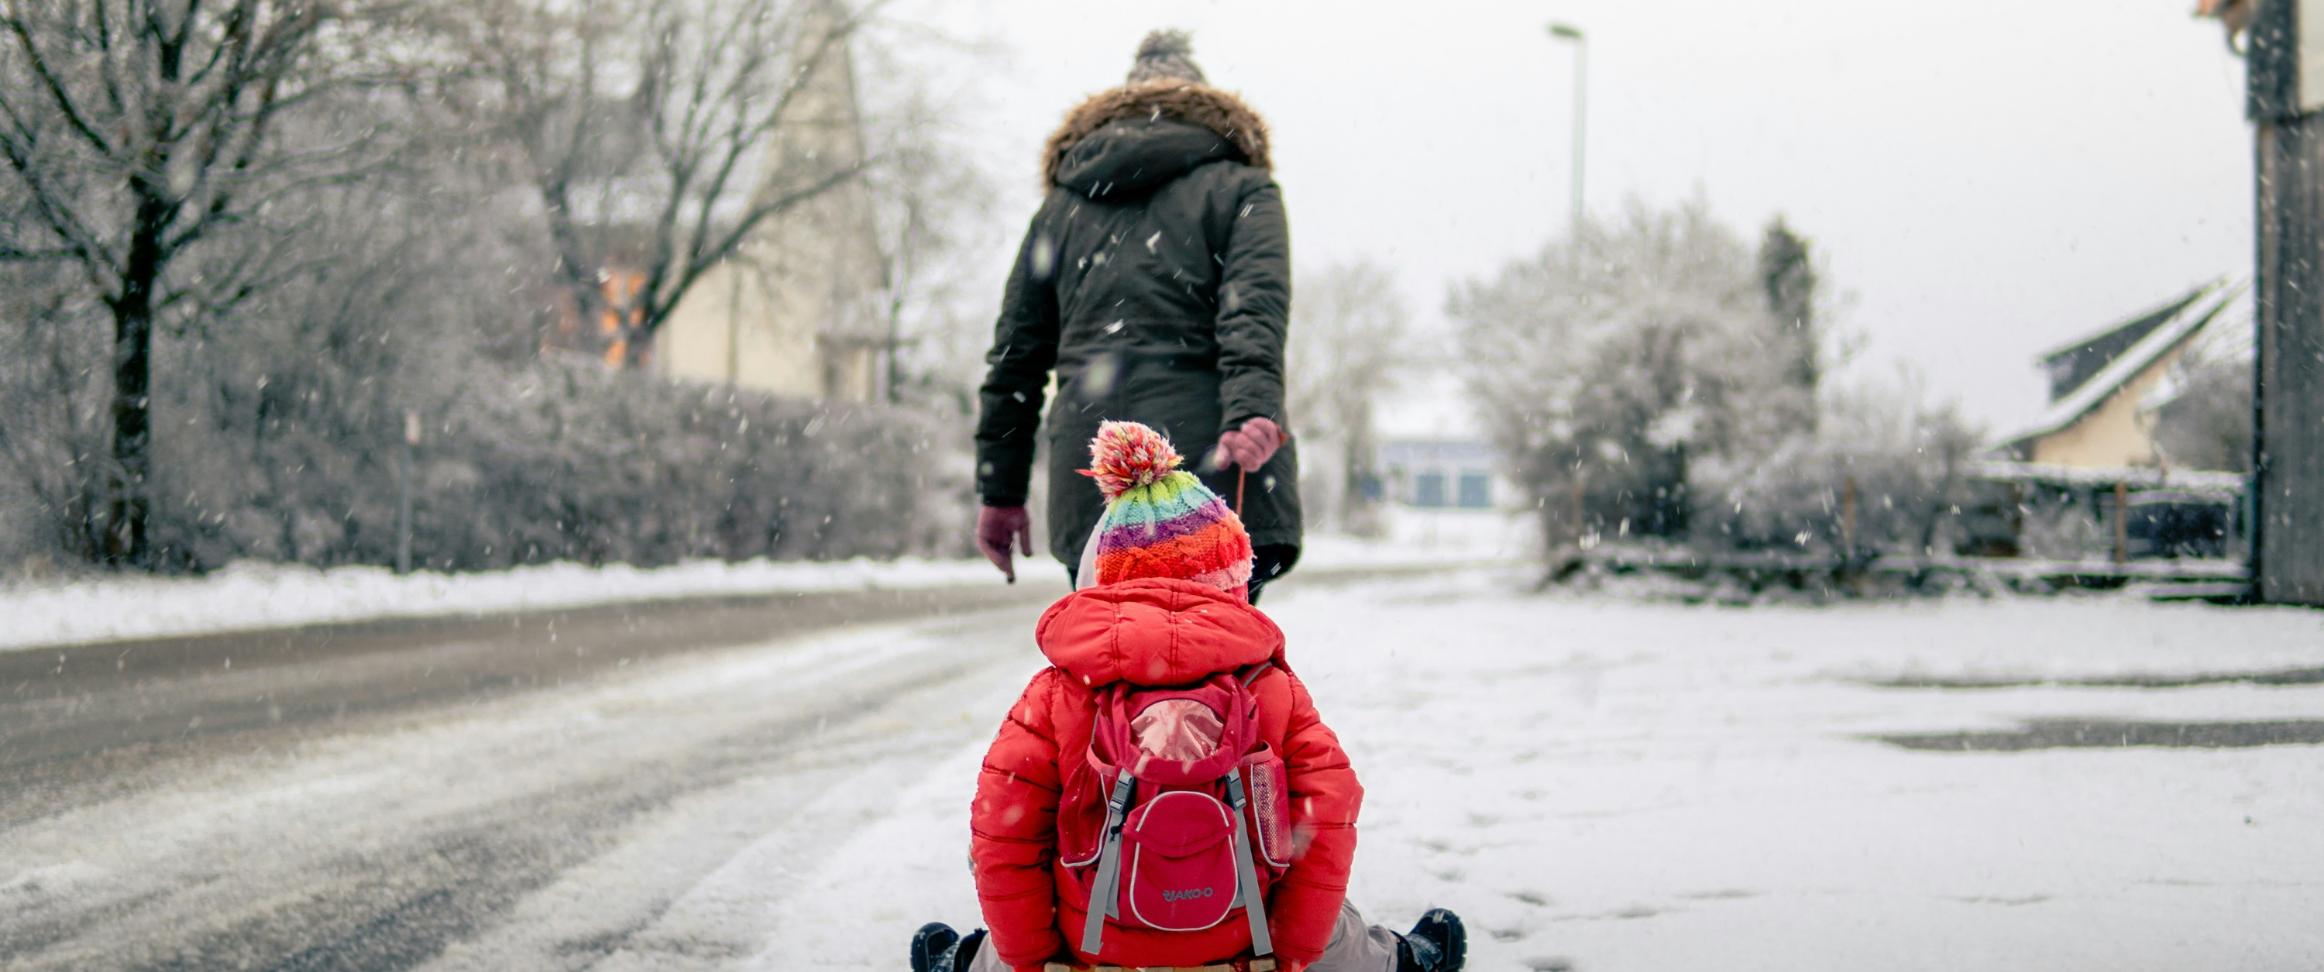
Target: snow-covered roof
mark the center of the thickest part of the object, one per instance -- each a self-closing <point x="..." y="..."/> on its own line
<point x="2074" y="362"/>
<point x="2228" y="337"/>
<point x="2158" y="342"/>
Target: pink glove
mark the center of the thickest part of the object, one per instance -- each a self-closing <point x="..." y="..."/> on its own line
<point x="995" y="527"/>
<point x="1250" y="446"/>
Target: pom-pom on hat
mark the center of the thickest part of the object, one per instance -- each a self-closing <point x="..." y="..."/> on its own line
<point x="1160" y="521"/>
<point x="1165" y="55"/>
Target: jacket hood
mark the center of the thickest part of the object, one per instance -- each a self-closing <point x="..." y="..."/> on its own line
<point x="1155" y="632"/>
<point x="1132" y="139"/>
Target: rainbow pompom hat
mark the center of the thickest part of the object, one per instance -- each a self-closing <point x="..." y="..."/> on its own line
<point x="1160" y="521"/>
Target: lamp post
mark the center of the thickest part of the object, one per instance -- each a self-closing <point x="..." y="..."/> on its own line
<point x="403" y="493"/>
<point x="1581" y="42"/>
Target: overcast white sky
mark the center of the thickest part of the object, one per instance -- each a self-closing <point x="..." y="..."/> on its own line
<point x="1984" y="178"/>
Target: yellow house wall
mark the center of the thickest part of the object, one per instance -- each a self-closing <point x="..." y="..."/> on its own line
<point x="2114" y="434"/>
<point x="796" y="312"/>
<point x="730" y="329"/>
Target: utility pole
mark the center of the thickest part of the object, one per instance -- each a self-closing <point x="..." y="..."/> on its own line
<point x="2287" y="486"/>
<point x="1581" y="43"/>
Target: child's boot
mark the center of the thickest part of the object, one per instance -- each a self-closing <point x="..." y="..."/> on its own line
<point x="1438" y="943"/>
<point x="937" y="948"/>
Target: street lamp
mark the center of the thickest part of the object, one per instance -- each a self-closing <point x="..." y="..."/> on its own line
<point x="1581" y="42"/>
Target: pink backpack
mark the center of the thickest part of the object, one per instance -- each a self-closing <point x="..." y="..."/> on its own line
<point x="1196" y="827"/>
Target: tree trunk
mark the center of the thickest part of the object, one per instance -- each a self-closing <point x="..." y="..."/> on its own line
<point x="1356" y="471"/>
<point x="124" y="541"/>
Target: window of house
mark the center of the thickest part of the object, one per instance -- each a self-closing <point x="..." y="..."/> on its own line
<point x="1428" y="490"/>
<point x="1476" y="491"/>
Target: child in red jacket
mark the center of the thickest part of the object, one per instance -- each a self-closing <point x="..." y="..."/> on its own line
<point x="1164" y="606"/>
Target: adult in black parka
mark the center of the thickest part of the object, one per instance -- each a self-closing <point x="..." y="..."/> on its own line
<point x="1156" y="282"/>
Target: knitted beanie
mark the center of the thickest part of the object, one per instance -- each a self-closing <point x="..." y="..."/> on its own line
<point x="1160" y="521"/>
<point x="1165" y="55"/>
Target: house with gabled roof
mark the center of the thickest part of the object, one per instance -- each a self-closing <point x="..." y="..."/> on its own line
<point x="800" y="310"/>
<point x="2102" y="386"/>
<point x="801" y="307"/>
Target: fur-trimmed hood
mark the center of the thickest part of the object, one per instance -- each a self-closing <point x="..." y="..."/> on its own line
<point x="1146" y="113"/>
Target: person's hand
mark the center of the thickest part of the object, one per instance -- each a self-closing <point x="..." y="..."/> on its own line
<point x="996" y="527"/>
<point x="1250" y="446"/>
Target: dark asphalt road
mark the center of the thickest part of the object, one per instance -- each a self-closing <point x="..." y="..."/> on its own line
<point x="158" y="813"/>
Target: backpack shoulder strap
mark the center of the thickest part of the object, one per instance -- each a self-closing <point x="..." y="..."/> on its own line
<point x="1247" y="870"/>
<point x="1250" y="676"/>
<point x="1105" y="891"/>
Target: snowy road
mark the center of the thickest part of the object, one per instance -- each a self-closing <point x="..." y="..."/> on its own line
<point x="1598" y="784"/>
<point x="361" y="799"/>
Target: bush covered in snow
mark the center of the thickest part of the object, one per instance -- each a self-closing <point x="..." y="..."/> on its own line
<point x="579" y="463"/>
<point x="1906" y="464"/>
<point x="1611" y="362"/>
<point x="278" y="452"/>
<point x="1661" y="379"/>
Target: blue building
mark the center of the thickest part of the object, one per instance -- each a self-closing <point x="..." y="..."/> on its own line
<point x="1438" y="474"/>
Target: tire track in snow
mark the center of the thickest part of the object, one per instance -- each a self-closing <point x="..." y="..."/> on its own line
<point x="740" y="897"/>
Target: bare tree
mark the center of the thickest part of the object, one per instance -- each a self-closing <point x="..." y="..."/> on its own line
<point x="52" y="429"/>
<point x="137" y="135"/>
<point x="662" y="135"/>
<point x="1348" y="349"/>
<point x="931" y="206"/>
<point x="922" y="237"/>
<point x="2206" y="421"/>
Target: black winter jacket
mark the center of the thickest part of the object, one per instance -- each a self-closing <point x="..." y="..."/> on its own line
<point x="1156" y="282"/>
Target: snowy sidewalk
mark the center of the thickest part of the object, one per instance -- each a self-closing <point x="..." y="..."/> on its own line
<point x="1608" y="785"/>
<point x="250" y="597"/>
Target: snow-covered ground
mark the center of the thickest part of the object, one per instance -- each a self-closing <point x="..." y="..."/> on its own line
<point x="257" y="596"/>
<point x="1613" y="786"/>
<point x="253" y="596"/>
<point x="1595" y="783"/>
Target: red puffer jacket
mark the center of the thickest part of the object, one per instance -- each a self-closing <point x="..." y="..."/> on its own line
<point x="1151" y="632"/>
